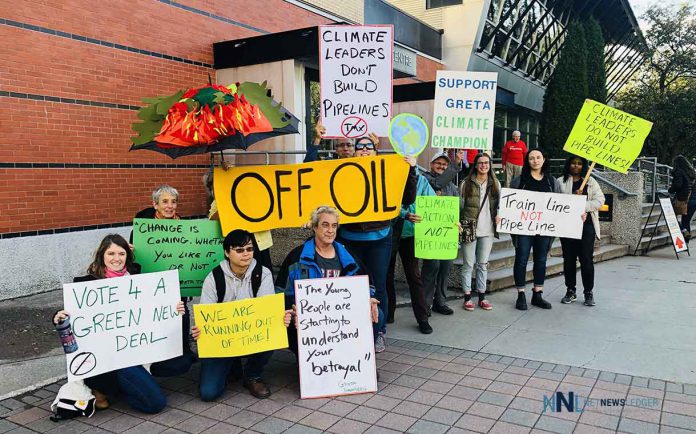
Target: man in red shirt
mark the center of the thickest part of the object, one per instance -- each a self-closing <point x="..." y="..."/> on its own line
<point x="513" y="157"/>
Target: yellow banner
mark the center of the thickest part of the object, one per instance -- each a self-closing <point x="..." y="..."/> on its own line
<point x="607" y="136"/>
<point x="259" y="198"/>
<point x="242" y="327"/>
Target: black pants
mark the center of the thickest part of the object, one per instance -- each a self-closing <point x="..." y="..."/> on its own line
<point x="581" y="249"/>
<point x="407" y="250"/>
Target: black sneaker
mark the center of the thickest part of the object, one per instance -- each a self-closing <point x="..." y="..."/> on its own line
<point x="424" y="327"/>
<point x="569" y="297"/>
<point x="443" y="309"/>
<point x="589" y="299"/>
<point x="538" y="301"/>
<point x="521" y="301"/>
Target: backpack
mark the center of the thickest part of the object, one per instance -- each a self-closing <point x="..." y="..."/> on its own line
<point x="221" y="287"/>
<point x="73" y="399"/>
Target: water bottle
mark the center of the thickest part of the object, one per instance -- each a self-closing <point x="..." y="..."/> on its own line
<point x="66" y="336"/>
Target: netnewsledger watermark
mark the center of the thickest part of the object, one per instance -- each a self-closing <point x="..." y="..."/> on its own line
<point x="575" y="403"/>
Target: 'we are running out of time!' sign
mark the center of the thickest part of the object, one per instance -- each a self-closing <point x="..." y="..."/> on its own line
<point x="355" y="64"/>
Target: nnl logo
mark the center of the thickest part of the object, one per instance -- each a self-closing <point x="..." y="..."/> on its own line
<point x="559" y="400"/>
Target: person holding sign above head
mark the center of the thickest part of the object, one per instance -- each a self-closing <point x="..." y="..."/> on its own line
<point x="574" y="172"/>
<point x="237" y="277"/>
<point x="535" y="176"/>
<point x="479" y="211"/>
<point x="345" y="148"/>
<point x="435" y="271"/>
<point x="513" y="157"/>
<point x="320" y="257"/>
<point x="114" y="258"/>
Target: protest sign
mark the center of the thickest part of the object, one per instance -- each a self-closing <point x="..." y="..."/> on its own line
<point x="122" y="322"/>
<point x="259" y="198"/>
<point x="524" y="212"/>
<point x="355" y="71"/>
<point x="607" y="136"/>
<point x="336" y="348"/>
<point x="673" y="226"/>
<point x="241" y="327"/>
<point x="194" y="247"/>
<point x="464" y="109"/>
<point x="408" y="134"/>
<point x="437" y="235"/>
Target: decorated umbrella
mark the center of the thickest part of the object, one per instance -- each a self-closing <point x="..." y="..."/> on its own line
<point x="211" y="118"/>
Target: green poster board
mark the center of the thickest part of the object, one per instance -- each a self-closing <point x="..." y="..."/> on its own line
<point x="437" y="235"/>
<point x="194" y="247"/>
<point x="607" y="136"/>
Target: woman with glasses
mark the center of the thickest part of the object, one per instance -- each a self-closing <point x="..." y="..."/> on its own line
<point x="371" y="242"/>
<point x="480" y="193"/>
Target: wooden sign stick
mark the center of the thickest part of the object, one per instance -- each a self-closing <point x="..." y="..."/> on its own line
<point x="587" y="178"/>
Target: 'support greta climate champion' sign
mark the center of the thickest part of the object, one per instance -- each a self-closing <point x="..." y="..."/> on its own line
<point x="258" y="198"/>
<point x="121" y="322"/>
<point x="336" y="348"/>
<point x="525" y="212"/>
<point x="607" y="136"/>
<point x="355" y="64"/>
<point x="241" y="327"/>
<point x="194" y="247"/>
<point x="464" y="109"/>
<point x="437" y="235"/>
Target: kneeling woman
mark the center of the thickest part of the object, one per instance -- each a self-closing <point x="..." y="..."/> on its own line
<point x="114" y="258"/>
<point x="574" y="171"/>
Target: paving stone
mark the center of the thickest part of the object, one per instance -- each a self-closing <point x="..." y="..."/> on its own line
<point x="508" y="428"/>
<point x="526" y="404"/>
<point x="674" y="407"/>
<point x="455" y="404"/>
<point x="642" y="414"/>
<point x="587" y="429"/>
<point x="503" y="387"/>
<point x="493" y="358"/>
<point x="387" y="376"/>
<point x="639" y="382"/>
<point x="602" y="420"/>
<point x="555" y="425"/>
<point x="398" y="368"/>
<point x="272" y="425"/>
<point x="366" y="414"/>
<point x="176" y="399"/>
<point x="425" y="397"/>
<point x="447" y="377"/>
<point x="381" y="430"/>
<point x="475" y="423"/>
<point x="396" y="421"/>
<point x="623" y="379"/>
<point x="196" y="406"/>
<point x="606" y="376"/>
<point x="519" y="362"/>
<point x="381" y="402"/>
<point x="397" y="391"/>
<point x="222" y="427"/>
<point x="421" y="372"/>
<point x="483" y="372"/>
<point x="409" y="408"/>
<point x="301" y="429"/>
<point x="512" y="378"/>
<point x="124" y="422"/>
<point x="455" y="352"/>
<point x="147" y="427"/>
<point x="486" y="410"/>
<point x="440" y="415"/>
<point x="495" y="398"/>
<point x="408" y="359"/>
<point x="241" y="400"/>
<point x="644" y="391"/>
<point x="561" y="369"/>
<point x="534" y="393"/>
<point x="245" y="418"/>
<point x="547" y="367"/>
<point x="40" y="425"/>
<point x="197" y="424"/>
<point x="338" y="408"/>
<point x="543" y="383"/>
<point x="549" y="375"/>
<point x="29" y="399"/>
<point x="432" y="364"/>
<point x="675" y="387"/>
<point x="679" y="420"/>
<point x="466" y="361"/>
<point x="616" y="387"/>
<point x="427" y="427"/>
<point x="27" y="416"/>
<point x="480" y="356"/>
<point x="478" y="383"/>
<point x="293" y="413"/>
<point x="409" y="381"/>
<point x="506" y="360"/>
<point x="320" y="420"/>
<point x="638" y="427"/>
<point x="315" y="404"/>
<point x="456" y="368"/>
<point x="443" y="357"/>
<point x="437" y="386"/>
<point x="581" y="381"/>
<point x="664" y="429"/>
<point x="690" y="389"/>
<point x="95" y="430"/>
<point x="346" y="426"/>
<point x="519" y="417"/>
<point x="220" y="412"/>
<point x="574" y="370"/>
<point x="358" y="399"/>
<point x="680" y="397"/>
<point x="457" y="430"/>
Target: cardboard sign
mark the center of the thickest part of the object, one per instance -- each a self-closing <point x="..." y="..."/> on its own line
<point x="607" y="136"/>
<point x="259" y="198"/>
<point x="464" y="109"/>
<point x="408" y="134"/>
<point x="525" y="212"/>
<point x="194" y="247"/>
<point x="241" y="327"/>
<point x="673" y="225"/>
<point x="355" y="68"/>
<point x="122" y="322"/>
<point x="264" y="240"/>
<point x="437" y="236"/>
<point x="335" y="341"/>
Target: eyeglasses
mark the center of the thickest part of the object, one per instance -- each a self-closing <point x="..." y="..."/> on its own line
<point x="344" y="145"/>
<point x="241" y="250"/>
<point x="368" y="146"/>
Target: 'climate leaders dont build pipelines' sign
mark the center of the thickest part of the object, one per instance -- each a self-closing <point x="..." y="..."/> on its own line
<point x="464" y="109"/>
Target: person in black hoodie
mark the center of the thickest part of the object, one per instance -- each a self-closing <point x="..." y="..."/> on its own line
<point x="114" y="258"/>
<point x="684" y="189"/>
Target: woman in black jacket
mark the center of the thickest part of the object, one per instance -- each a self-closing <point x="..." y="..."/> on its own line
<point x="114" y="258"/>
<point x="684" y="189"/>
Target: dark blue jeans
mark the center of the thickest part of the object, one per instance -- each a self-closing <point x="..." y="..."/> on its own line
<point x="141" y="390"/>
<point x="690" y="210"/>
<point x="172" y="367"/>
<point x="214" y="372"/>
<point x="523" y="244"/>
<point x="375" y="256"/>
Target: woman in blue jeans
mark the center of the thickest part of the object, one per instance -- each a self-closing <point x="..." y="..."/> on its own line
<point x="535" y="177"/>
<point x="114" y="258"/>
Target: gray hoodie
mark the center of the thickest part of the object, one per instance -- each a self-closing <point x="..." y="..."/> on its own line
<point x="236" y="289"/>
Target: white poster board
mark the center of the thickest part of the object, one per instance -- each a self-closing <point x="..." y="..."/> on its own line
<point x="122" y="322"/>
<point x="673" y="225"/>
<point x="525" y="212"/>
<point x="355" y="71"/>
<point x="336" y="348"/>
<point x="464" y="109"/>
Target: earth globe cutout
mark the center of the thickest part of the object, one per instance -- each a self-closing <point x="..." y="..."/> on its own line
<point x="408" y="134"/>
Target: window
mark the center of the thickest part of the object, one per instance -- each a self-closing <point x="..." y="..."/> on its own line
<point x="432" y="4"/>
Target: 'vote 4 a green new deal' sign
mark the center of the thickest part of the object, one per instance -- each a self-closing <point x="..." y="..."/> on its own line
<point x="194" y="247"/>
<point x="437" y="235"/>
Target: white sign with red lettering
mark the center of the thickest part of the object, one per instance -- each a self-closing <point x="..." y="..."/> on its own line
<point x="673" y="225"/>
<point x="355" y="71"/>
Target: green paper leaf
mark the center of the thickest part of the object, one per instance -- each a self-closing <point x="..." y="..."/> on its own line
<point x="257" y="94"/>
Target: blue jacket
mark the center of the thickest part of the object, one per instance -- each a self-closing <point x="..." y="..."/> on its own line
<point x="301" y="264"/>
